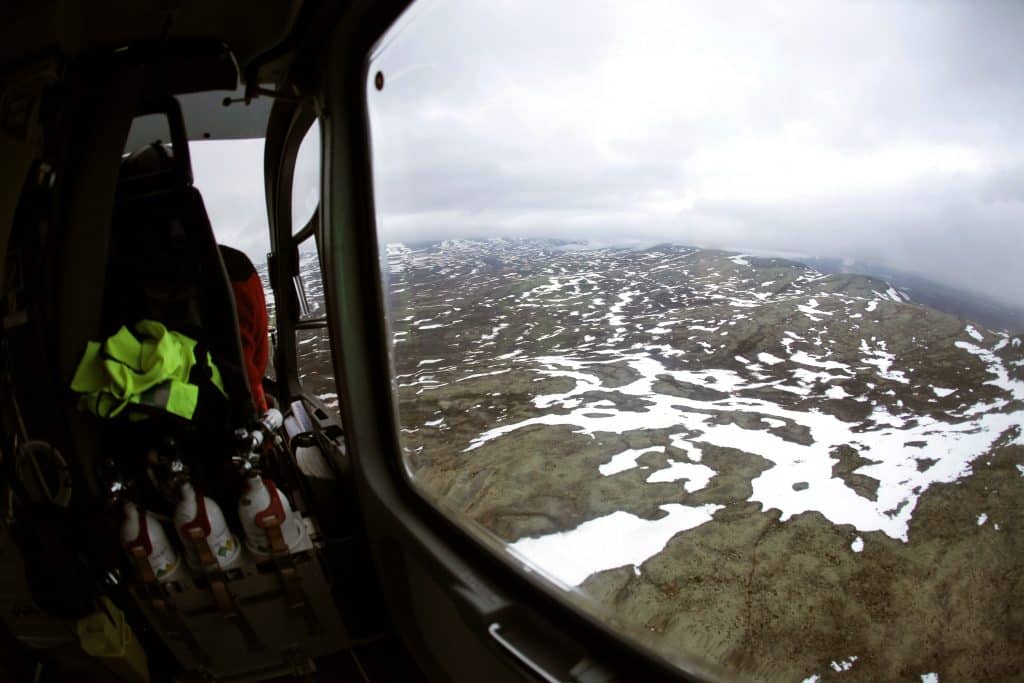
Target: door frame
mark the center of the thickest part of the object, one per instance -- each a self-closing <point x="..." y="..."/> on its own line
<point x="435" y="575"/>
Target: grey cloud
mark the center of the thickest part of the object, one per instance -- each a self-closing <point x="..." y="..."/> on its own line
<point x="781" y="127"/>
<point x="488" y="127"/>
<point x="229" y="174"/>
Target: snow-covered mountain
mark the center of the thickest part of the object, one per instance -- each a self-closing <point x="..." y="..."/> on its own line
<point x="741" y="457"/>
<point x="597" y="409"/>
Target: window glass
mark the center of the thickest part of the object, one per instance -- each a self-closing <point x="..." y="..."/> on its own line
<point x="313" y="344"/>
<point x="305" y="200"/>
<point x="229" y="175"/>
<point x="713" y="318"/>
<point x="306" y="179"/>
<point x="313" y="348"/>
<point x="147" y="130"/>
<point x="309" y="283"/>
<point x="313" y="352"/>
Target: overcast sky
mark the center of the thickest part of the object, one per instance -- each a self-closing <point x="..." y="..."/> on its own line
<point x="879" y="131"/>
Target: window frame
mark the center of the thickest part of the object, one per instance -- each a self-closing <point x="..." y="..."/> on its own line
<point x="287" y="128"/>
<point x="482" y="581"/>
<point x="309" y="230"/>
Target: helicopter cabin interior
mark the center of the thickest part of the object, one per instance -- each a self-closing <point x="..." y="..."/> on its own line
<point x="171" y="510"/>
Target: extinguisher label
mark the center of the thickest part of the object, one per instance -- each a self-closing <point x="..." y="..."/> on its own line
<point x="224" y="545"/>
<point x="163" y="561"/>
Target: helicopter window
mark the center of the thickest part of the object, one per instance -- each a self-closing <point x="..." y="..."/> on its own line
<point x="305" y="205"/>
<point x="312" y="341"/>
<point x="713" y="318"/>
<point x="146" y="130"/>
<point x="229" y="173"/>
<point x="306" y="179"/>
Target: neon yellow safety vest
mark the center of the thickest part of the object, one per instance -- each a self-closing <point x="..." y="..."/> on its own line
<point x="151" y="370"/>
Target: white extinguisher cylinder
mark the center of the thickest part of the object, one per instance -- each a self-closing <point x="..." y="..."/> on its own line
<point x="141" y="531"/>
<point x="196" y="511"/>
<point x="262" y="505"/>
<point x="308" y="456"/>
<point x="272" y="419"/>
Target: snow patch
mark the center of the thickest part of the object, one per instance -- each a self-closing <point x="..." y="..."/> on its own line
<point x="682" y="443"/>
<point x="811" y="310"/>
<point x="616" y="540"/>
<point x="844" y="664"/>
<point x="836" y="392"/>
<point x="804" y="358"/>
<point x="626" y="460"/>
<point x="883" y="360"/>
<point x="697" y="476"/>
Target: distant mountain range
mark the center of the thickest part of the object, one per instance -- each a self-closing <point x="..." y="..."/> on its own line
<point x="958" y="302"/>
<point x="955" y="301"/>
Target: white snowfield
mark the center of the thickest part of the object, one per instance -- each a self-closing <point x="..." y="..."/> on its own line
<point x="571" y="556"/>
<point x="881" y="440"/>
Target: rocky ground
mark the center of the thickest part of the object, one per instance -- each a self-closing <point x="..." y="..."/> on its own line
<point x="739" y="461"/>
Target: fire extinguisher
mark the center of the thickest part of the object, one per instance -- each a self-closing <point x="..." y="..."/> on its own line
<point x="143" y="537"/>
<point x="142" y="531"/>
<point x="199" y="517"/>
<point x="262" y="507"/>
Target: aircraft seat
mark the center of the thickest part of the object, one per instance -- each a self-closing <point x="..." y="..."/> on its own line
<point x="165" y="263"/>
